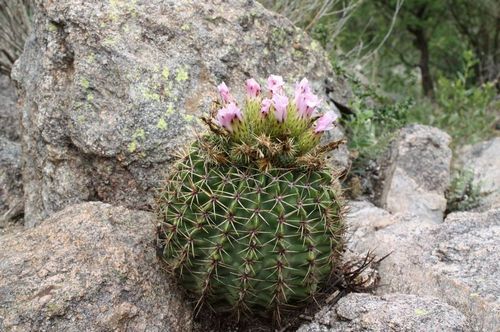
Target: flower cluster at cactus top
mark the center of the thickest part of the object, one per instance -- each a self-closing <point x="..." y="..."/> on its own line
<point x="270" y="128"/>
<point x="304" y="104"/>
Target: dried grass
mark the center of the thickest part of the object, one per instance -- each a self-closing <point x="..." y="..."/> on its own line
<point x="15" y="26"/>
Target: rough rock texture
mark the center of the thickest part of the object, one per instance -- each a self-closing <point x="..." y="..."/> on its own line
<point x="364" y="219"/>
<point x="416" y="173"/>
<point x="456" y="261"/>
<point x="484" y="160"/>
<point x="9" y="114"/>
<point x="392" y="312"/>
<point x="110" y="90"/>
<point x="11" y="190"/>
<point x="90" y="267"/>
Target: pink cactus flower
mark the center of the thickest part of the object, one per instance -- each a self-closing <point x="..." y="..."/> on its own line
<point x="226" y="116"/>
<point x="312" y="102"/>
<point x="224" y="93"/>
<point x="266" y="105"/>
<point x="275" y="84"/>
<point x="235" y="111"/>
<point x="302" y="87"/>
<point x="253" y="88"/>
<point x="305" y="100"/>
<point x="325" y="122"/>
<point x="280" y="104"/>
<point x="306" y="104"/>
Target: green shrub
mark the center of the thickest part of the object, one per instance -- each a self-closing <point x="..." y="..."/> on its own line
<point x="465" y="112"/>
<point x="463" y="194"/>
<point x="373" y="124"/>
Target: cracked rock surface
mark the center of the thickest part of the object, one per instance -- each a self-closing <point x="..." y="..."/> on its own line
<point x="90" y="267"/>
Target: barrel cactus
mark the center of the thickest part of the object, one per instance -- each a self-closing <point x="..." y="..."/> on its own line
<point x="251" y="217"/>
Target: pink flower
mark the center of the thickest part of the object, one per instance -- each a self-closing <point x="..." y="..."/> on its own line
<point x="325" y="122"/>
<point x="235" y="110"/>
<point x="280" y="104"/>
<point x="275" y="84"/>
<point x="266" y="104"/>
<point x="253" y="88"/>
<point x="306" y="103"/>
<point x="312" y="102"/>
<point x="226" y="116"/>
<point x="302" y="87"/>
<point x="224" y="93"/>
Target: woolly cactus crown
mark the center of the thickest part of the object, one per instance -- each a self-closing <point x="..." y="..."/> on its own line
<point x="271" y="129"/>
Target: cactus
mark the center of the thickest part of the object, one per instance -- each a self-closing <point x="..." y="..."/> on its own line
<point x="251" y="218"/>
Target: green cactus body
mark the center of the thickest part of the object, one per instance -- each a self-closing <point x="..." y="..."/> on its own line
<point x="245" y="239"/>
<point x="251" y="220"/>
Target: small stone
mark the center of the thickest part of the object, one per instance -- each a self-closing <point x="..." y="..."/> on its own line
<point x="391" y="312"/>
<point x="416" y="172"/>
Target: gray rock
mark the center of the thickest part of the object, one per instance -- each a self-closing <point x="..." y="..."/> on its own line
<point x="364" y="219"/>
<point x="11" y="189"/>
<point x="464" y="264"/>
<point x="90" y="267"/>
<point x="9" y="113"/>
<point x="391" y="312"/>
<point x="416" y="173"/>
<point x="111" y="90"/>
<point x="456" y="261"/>
<point x="484" y="160"/>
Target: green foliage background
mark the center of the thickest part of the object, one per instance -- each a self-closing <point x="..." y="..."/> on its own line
<point x="410" y="61"/>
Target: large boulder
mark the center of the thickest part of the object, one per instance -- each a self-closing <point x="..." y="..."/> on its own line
<point x="9" y="114"/>
<point x="416" y="173"/>
<point x="456" y="261"/>
<point x="11" y="189"/>
<point x="111" y="90"/>
<point x="483" y="159"/>
<point x="391" y="312"/>
<point x="90" y="267"/>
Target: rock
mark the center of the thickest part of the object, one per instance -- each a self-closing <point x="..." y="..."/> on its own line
<point x="456" y="261"/>
<point x="416" y="173"/>
<point x="483" y="159"/>
<point x="391" y="312"/>
<point x="111" y="90"/>
<point x="464" y="264"/>
<point x="364" y="219"/>
<point x="11" y="189"/>
<point x="9" y="114"/>
<point x="90" y="267"/>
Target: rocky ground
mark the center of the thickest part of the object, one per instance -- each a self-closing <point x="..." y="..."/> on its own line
<point x="107" y="95"/>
